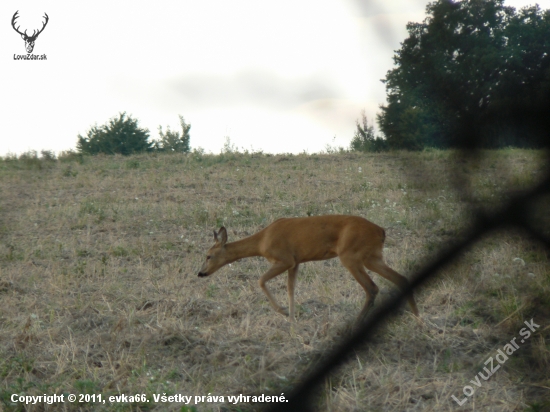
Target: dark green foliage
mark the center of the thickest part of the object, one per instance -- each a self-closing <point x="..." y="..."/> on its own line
<point x="121" y="135"/>
<point x="476" y="63"/>
<point x="174" y="141"/>
<point x="364" y="139"/>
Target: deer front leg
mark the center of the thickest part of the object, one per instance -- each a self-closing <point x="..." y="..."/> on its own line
<point x="275" y="270"/>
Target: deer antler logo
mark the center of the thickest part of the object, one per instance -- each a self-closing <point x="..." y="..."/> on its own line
<point x="29" y="40"/>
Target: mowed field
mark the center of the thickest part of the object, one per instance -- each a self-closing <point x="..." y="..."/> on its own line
<point x="100" y="295"/>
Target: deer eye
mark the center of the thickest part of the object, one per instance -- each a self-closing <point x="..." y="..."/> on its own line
<point x="207" y="257"/>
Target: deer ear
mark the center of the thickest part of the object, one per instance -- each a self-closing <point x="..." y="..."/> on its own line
<point x="215" y="236"/>
<point x="222" y="233"/>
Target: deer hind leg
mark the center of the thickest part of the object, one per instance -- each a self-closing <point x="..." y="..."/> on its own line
<point x="356" y="268"/>
<point x="274" y="271"/>
<point x="377" y="264"/>
<point x="292" y="272"/>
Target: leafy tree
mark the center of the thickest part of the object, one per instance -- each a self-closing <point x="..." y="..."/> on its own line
<point x="364" y="139"/>
<point x="468" y="67"/>
<point x="174" y="141"/>
<point x="120" y="135"/>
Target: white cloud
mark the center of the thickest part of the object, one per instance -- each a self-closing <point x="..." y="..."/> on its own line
<point x="278" y="76"/>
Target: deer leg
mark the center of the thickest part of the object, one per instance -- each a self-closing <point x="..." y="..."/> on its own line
<point x="292" y="272"/>
<point x="361" y="276"/>
<point x="376" y="264"/>
<point x="275" y="270"/>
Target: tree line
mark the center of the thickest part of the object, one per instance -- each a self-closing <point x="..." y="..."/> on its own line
<point x="474" y="62"/>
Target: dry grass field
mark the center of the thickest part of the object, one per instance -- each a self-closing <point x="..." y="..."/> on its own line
<point x="99" y="290"/>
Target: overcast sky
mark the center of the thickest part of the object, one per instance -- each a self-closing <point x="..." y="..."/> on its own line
<point x="285" y="76"/>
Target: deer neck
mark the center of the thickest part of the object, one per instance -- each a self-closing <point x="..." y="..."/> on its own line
<point x="243" y="248"/>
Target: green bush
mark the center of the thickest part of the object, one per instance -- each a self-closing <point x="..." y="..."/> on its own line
<point x="120" y="135"/>
<point x="364" y="139"/>
<point x="174" y="141"/>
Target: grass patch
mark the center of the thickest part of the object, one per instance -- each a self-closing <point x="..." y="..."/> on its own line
<point x="99" y="262"/>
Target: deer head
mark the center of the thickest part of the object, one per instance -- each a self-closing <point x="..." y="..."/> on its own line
<point x="29" y="40"/>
